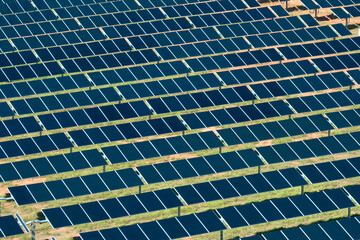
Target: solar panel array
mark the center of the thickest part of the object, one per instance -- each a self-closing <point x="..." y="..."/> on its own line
<point x="315" y="4"/>
<point x="343" y="228"/>
<point x="347" y="12"/>
<point x="343" y="9"/>
<point x="115" y="109"/>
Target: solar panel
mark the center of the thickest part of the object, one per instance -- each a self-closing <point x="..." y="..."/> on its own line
<point x="5" y="110"/>
<point x="250" y="214"/>
<point x="9" y="226"/>
<point x="309" y="4"/>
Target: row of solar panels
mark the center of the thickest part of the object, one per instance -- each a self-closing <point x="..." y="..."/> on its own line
<point x="229" y="161"/>
<point x="64" y="120"/>
<point x="15" y="6"/>
<point x="147" y="56"/>
<point x="122" y="59"/>
<point x="60" y="141"/>
<point x="166" y="12"/>
<point x="133" y="29"/>
<point x="205" y="81"/>
<point x="264" y="90"/>
<point x="172" y="38"/>
<point x="48" y="15"/>
<point x="316" y="49"/>
<point x="148" y="202"/>
<point x="83" y="50"/>
<point x="63" y="101"/>
<point x="195" y="120"/>
<point x="250" y="184"/>
<point x="164" y="53"/>
<point x="168" y="86"/>
<point x="175" y="103"/>
<point x="304" y="149"/>
<point x="153" y="40"/>
<point x="345" y="228"/>
<point x="190" y="168"/>
<point x="71" y="38"/>
<point x="42" y="71"/>
<point x="316" y="4"/>
<point x="22" y="147"/>
<point x="27" y="17"/>
<point x="92" y="158"/>
<point x="20" y="6"/>
<point x="301" y="85"/>
<point x="103" y="9"/>
<point x="128" y="5"/>
<point x="347" y="12"/>
<point x="316" y="101"/>
<point x="235" y="216"/>
<point x="129" y="152"/>
<point x="190" y="194"/>
<point x="152" y="128"/>
<point x="297" y="36"/>
<point x="119" y="179"/>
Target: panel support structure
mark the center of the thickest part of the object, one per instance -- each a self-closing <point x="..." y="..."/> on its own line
<point x="33" y="231"/>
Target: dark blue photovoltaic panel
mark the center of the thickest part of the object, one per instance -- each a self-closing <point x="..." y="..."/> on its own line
<point x="5" y="110"/>
<point x="9" y="226"/>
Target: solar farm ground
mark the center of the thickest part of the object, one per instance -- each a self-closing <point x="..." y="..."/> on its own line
<point x="45" y="230"/>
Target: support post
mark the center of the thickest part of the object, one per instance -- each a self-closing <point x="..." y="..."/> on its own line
<point x="183" y="132"/>
<point x="259" y="169"/>
<point x="219" y="149"/>
<point x="32" y="231"/>
<point x="350" y="87"/>
<point x="289" y="116"/>
<point x="329" y="132"/>
<point x="349" y="212"/>
<point x="71" y="150"/>
<point x="287" y="4"/>
<point x="315" y="13"/>
<point x="179" y="211"/>
<point x="253" y="101"/>
<point x="104" y="168"/>
<point x="149" y="117"/>
<point x="346" y="22"/>
<point x="40" y="133"/>
<point x="139" y="189"/>
<point x="221" y="235"/>
<point x="302" y="189"/>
